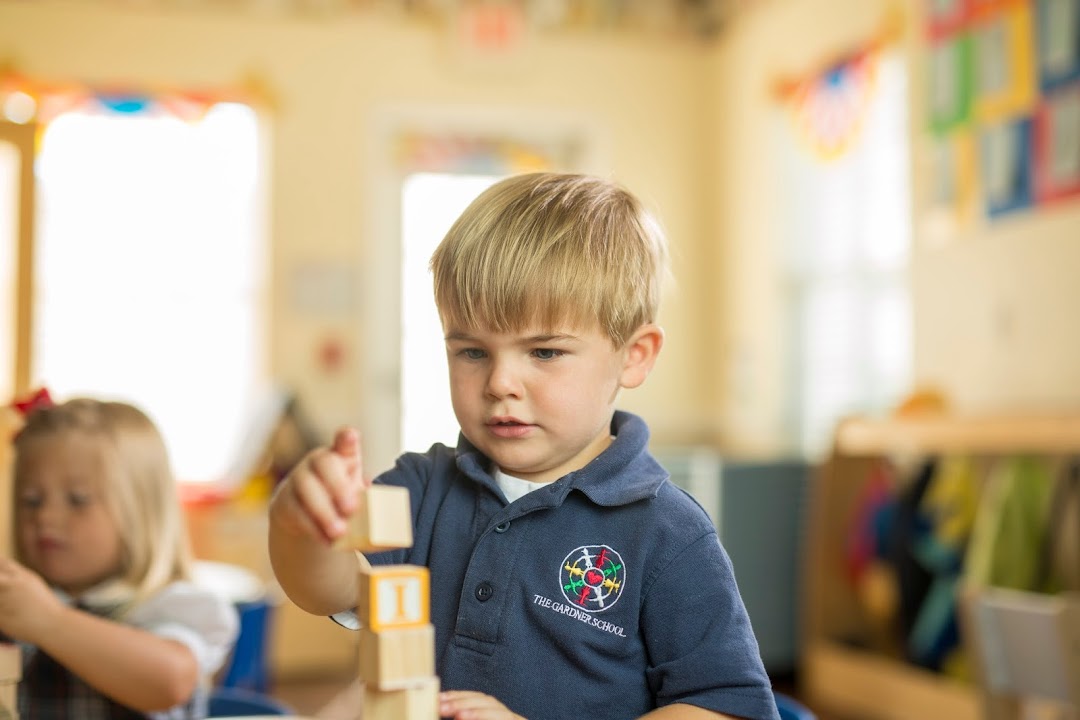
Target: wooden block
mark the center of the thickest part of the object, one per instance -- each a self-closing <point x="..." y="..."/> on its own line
<point x="8" y="700"/>
<point x="420" y="702"/>
<point x="382" y="521"/>
<point x="394" y="597"/>
<point x="395" y="659"/>
<point x="10" y="663"/>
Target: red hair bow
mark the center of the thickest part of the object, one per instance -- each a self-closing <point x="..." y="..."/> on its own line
<point x="38" y="400"/>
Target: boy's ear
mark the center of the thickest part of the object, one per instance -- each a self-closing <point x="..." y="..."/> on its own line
<point x="640" y="354"/>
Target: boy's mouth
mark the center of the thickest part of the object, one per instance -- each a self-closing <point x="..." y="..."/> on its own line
<point x="508" y="427"/>
<point x="506" y="421"/>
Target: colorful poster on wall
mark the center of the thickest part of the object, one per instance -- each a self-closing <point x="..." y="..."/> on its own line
<point x="1057" y="146"/>
<point x="953" y="186"/>
<point x="1007" y="73"/>
<point x="1004" y="68"/>
<point x="1058" y="31"/>
<point x="946" y="17"/>
<point x="1005" y="155"/>
<point x="950" y="82"/>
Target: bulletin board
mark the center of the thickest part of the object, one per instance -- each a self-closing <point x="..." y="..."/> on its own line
<point x="1003" y="104"/>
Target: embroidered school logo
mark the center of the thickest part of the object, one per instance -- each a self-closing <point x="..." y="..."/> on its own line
<point x="592" y="577"/>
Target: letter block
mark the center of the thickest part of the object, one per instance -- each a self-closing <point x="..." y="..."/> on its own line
<point x="10" y="674"/>
<point x="382" y="521"/>
<point x="393" y="597"/>
<point x="8" y="701"/>
<point x="395" y="659"/>
<point x="415" y="703"/>
<point x="10" y="663"/>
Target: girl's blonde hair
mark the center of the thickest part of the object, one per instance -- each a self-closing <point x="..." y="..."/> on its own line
<point x="540" y="249"/>
<point x="140" y="489"/>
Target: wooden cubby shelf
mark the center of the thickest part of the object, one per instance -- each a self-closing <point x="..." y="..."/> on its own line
<point x="840" y="673"/>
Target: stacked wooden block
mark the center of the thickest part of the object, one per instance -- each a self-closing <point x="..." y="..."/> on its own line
<point x="397" y="639"/>
<point x="10" y="673"/>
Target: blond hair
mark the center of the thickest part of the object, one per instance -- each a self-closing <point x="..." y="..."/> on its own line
<point x="139" y="486"/>
<point x="540" y="249"/>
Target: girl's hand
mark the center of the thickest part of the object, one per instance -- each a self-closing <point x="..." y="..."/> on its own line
<point x="468" y="705"/>
<point x="316" y="498"/>
<point x="27" y="604"/>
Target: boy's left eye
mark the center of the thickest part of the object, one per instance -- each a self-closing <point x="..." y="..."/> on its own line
<point x="547" y="353"/>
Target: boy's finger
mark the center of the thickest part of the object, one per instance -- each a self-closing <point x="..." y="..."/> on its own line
<point x="347" y="447"/>
<point x="347" y="443"/>
<point x="320" y="511"/>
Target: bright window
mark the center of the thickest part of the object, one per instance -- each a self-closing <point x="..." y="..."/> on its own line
<point x="149" y="272"/>
<point x="846" y="236"/>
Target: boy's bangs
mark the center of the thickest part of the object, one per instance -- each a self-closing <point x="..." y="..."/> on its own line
<point x="512" y="307"/>
<point x="526" y="298"/>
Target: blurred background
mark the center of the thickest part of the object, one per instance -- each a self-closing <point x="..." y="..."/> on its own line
<point x="222" y="211"/>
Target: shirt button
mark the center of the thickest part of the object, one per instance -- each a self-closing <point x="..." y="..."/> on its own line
<point x="503" y="526"/>
<point x="484" y="591"/>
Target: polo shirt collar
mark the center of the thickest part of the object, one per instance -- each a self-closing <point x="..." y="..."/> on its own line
<point x="624" y="473"/>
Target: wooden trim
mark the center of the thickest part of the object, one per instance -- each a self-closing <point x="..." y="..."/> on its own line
<point x="9" y="423"/>
<point x="943" y="434"/>
<point x="23" y="137"/>
<point x="869" y="686"/>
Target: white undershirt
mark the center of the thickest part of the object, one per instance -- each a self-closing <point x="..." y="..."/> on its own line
<point x="513" y="487"/>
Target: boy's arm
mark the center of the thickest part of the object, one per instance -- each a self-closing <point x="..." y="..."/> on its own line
<point x="457" y="703"/>
<point x="680" y="711"/>
<point x="700" y="642"/>
<point x="318" y="579"/>
<point x="308" y="511"/>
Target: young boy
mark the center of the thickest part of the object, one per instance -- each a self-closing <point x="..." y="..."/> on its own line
<point x="569" y="577"/>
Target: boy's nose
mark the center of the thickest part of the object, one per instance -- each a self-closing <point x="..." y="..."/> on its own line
<point x="503" y="380"/>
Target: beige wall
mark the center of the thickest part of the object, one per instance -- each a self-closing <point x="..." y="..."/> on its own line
<point x="337" y="85"/>
<point x="993" y="305"/>
<point x="682" y="125"/>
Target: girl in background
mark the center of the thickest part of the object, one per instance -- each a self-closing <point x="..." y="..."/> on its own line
<point x="99" y="594"/>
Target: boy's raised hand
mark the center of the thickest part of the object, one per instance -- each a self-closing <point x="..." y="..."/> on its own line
<point x="319" y="494"/>
<point x="469" y="705"/>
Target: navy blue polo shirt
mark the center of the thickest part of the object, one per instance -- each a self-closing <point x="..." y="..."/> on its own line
<point x="604" y="594"/>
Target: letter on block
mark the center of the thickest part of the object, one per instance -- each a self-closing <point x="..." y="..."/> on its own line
<point x="415" y="703"/>
<point x="395" y="659"/>
<point x="382" y="521"/>
<point x="394" y="597"/>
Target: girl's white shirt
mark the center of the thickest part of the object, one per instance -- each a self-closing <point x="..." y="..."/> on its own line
<point x="204" y="621"/>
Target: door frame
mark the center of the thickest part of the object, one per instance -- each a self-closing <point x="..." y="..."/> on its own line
<point x="23" y="137"/>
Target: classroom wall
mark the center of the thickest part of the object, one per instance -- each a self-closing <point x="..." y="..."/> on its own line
<point x="683" y="124"/>
<point x="992" y="303"/>
<point x="335" y="83"/>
